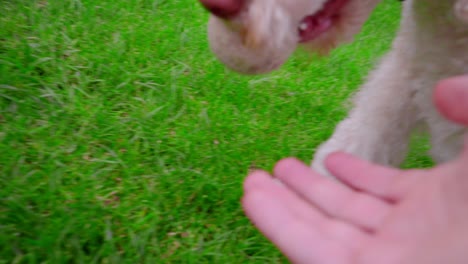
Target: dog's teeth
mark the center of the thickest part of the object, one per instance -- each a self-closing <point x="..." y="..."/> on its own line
<point x="303" y="26"/>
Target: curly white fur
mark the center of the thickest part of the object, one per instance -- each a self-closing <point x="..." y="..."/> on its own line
<point x="431" y="45"/>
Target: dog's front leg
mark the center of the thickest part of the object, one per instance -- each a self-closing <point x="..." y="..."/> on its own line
<point x="379" y="127"/>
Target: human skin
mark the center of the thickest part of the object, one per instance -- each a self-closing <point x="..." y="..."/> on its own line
<point x="373" y="214"/>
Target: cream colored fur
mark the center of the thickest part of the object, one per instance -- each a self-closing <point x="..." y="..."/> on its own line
<point x="431" y="45"/>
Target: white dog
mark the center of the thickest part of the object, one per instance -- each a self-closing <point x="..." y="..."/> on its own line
<point x="257" y="36"/>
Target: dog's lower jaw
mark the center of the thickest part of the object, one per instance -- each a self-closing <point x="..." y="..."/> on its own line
<point x="253" y="51"/>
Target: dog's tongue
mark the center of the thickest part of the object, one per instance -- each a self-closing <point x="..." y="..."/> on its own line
<point x="314" y="25"/>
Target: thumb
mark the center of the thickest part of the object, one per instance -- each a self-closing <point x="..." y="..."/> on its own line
<point x="451" y="98"/>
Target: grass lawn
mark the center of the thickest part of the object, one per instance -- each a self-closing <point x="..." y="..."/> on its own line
<point x="123" y="140"/>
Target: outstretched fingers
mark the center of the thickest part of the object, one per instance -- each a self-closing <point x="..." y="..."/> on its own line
<point x="387" y="183"/>
<point x="332" y="197"/>
<point x="301" y="231"/>
<point x="261" y="183"/>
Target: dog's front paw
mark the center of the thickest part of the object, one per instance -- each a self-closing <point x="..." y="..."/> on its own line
<point x="318" y="164"/>
<point x="461" y="10"/>
<point x="378" y="146"/>
<point x="356" y="144"/>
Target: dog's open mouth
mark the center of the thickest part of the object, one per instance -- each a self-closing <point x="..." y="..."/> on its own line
<point x="314" y="25"/>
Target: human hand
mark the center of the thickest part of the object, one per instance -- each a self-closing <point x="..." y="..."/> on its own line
<point x="388" y="216"/>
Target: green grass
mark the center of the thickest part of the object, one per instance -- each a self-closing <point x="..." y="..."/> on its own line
<point x="123" y="140"/>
